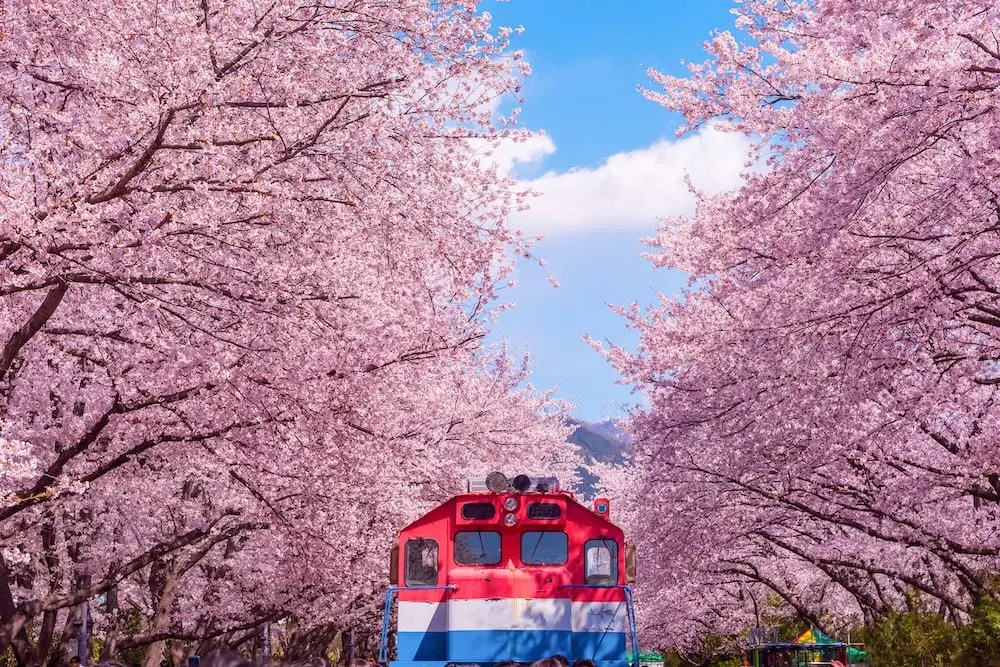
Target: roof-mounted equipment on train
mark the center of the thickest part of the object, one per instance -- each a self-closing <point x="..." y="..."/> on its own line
<point x="497" y="482"/>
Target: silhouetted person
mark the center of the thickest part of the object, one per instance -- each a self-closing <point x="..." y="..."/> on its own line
<point x="584" y="662"/>
<point x="561" y="659"/>
<point x="74" y="661"/>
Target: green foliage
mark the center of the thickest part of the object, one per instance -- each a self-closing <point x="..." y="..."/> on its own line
<point x="335" y="648"/>
<point x="775" y="617"/>
<point x="725" y="661"/>
<point x="911" y="639"/>
<point x="921" y="639"/>
<point x="713" y="653"/>
<point x="131" y="621"/>
<point x="915" y="638"/>
<point x="980" y="639"/>
<point x="673" y="659"/>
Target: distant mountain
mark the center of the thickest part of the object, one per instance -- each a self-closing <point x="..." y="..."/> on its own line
<point x="608" y="428"/>
<point x="602" y="442"/>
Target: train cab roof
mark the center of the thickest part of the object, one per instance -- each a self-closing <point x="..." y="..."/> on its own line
<point x="535" y="502"/>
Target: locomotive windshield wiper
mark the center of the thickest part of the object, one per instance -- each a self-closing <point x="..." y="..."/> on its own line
<point x="612" y="556"/>
<point x="537" y="542"/>
<point x="482" y="548"/>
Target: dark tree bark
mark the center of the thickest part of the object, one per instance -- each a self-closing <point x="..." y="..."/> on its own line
<point x="37" y="320"/>
<point x="305" y="644"/>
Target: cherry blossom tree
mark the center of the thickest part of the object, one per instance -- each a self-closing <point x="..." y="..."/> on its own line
<point x="822" y="400"/>
<point x="247" y="258"/>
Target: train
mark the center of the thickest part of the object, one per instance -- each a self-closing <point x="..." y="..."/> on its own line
<point x="512" y="570"/>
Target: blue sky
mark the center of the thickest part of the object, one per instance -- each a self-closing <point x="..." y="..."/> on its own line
<point x="608" y="167"/>
<point x="588" y="58"/>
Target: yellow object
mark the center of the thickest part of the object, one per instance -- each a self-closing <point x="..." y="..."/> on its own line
<point x="806" y="637"/>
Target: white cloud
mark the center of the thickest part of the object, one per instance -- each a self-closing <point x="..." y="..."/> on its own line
<point x="508" y="153"/>
<point x="629" y="190"/>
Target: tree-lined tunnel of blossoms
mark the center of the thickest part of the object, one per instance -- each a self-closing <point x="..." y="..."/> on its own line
<point x="248" y="258"/>
<point x="821" y="434"/>
<point x="247" y="264"/>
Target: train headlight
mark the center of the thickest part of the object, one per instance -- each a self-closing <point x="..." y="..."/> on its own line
<point x="510" y="520"/>
<point x="496" y="482"/>
<point x="510" y="503"/>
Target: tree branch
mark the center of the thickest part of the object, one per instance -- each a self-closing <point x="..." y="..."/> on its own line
<point x="31" y="327"/>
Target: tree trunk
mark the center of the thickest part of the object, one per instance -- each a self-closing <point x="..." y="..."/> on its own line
<point x="12" y="633"/>
<point x="366" y="645"/>
<point x="43" y="646"/>
<point x="161" y="619"/>
<point x="177" y="653"/>
<point x="303" y="645"/>
<point x="111" y="637"/>
<point x="56" y="656"/>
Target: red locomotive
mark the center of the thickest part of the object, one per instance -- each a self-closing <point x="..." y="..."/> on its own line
<point x="511" y="571"/>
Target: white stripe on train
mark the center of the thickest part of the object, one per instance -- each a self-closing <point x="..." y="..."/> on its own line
<point x="512" y="614"/>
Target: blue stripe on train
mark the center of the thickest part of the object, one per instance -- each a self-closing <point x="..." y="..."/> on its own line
<point x="501" y="645"/>
<point x="447" y="663"/>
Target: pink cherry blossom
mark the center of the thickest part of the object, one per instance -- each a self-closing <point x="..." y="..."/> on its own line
<point x="820" y="435"/>
<point x="246" y="266"/>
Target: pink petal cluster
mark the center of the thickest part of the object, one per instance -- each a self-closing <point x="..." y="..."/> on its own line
<point x="246" y="262"/>
<point x="820" y="438"/>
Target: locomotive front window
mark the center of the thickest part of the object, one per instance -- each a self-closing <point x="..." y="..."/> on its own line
<point x="544" y="511"/>
<point x="477" y="547"/>
<point x="544" y="547"/>
<point x="474" y="511"/>
<point x="421" y="562"/>
<point x="602" y="562"/>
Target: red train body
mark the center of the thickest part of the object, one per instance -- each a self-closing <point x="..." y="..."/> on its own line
<point x="512" y="572"/>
